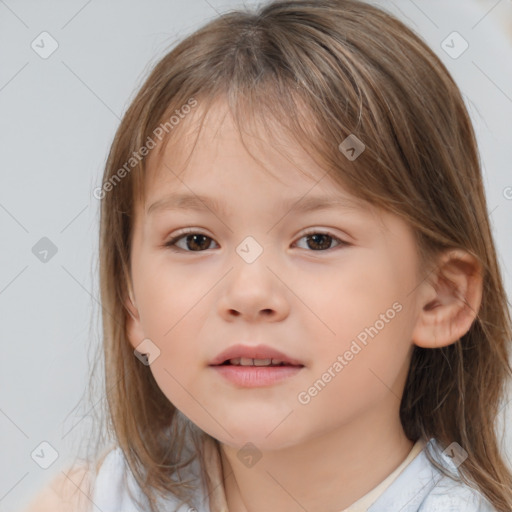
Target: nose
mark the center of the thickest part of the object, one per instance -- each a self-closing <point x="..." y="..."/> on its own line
<point x="255" y="292"/>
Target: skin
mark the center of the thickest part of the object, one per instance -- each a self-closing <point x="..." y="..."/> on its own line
<point x="307" y="302"/>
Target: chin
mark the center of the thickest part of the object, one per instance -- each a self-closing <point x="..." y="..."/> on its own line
<point x="264" y="438"/>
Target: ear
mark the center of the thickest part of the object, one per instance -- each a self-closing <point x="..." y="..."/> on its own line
<point x="134" y="329"/>
<point x="449" y="300"/>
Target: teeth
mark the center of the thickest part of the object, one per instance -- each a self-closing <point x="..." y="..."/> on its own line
<point x="262" y="362"/>
<point x="246" y="361"/>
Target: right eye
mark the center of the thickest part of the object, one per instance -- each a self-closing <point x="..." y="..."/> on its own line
<point x="193" y="242"/>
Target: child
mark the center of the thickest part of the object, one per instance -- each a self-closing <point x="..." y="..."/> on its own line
<point x="265" y="369"/>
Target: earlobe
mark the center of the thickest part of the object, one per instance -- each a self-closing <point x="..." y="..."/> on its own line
<point x="449" y="300"/>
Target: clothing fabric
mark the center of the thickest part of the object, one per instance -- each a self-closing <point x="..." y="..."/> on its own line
<point x="362" y="504"/>
<point x="415" y="486"/>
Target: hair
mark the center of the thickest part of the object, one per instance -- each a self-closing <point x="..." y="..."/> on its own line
<point x="322" y="70"/>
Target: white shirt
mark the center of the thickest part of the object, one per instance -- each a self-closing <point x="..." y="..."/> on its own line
<point x="362" y="504"/>
<point x="415" y="486"/>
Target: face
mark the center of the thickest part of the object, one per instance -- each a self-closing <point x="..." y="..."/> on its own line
<point x="331" y="288"/>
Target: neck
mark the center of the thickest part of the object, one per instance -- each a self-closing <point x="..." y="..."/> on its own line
<point x="326" y="473"/>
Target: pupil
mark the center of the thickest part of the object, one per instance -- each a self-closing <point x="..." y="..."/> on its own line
<point x="195" y="237"/>
<point x="325" y="245"/>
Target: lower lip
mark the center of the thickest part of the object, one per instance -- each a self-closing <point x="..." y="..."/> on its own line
<point x="256" y="376"/>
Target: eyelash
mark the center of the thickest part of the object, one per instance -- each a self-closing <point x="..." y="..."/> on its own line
<point x="171" y="244"/>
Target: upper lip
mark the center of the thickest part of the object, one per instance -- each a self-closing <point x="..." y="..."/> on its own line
<point x="253" y="352"/>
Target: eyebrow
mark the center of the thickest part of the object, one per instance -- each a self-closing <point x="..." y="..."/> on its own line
<point x="199" y="202"/>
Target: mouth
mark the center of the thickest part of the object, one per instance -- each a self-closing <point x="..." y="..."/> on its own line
<point x="253" y="367"/>
<point x="246" y="361"/>
<point x="259" y="355"/>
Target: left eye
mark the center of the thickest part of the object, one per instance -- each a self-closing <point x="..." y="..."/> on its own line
<point x="321" y="240"/>
<point x="197" y="242"/>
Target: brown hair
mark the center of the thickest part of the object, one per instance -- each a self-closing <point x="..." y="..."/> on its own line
<point x="323" y="70"/>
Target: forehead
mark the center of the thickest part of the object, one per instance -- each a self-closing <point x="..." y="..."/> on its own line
<point x="212" y="167"/>
<point x="203" y="151"/>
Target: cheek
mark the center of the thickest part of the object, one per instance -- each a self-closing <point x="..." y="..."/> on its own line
<point x="169" y="298"/>
<point x="353" y="296"/>
<point x="368" y="317"/>
<point x="171" y="314"/>
<point x="357" y="374"/>
<point x="179" y="364"/>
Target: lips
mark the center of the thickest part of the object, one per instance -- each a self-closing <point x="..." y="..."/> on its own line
<point x="263" y="354"/>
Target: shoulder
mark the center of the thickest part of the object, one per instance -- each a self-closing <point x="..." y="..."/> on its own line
<point x="422" y="487"/>
<point x="115" y="489"/>
<point x="454" y="497"/>
<point x="452" y="494"/>
<point x="69" y="491"/>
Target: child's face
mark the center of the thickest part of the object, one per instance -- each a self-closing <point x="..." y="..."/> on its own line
<point x="346" y="312"/>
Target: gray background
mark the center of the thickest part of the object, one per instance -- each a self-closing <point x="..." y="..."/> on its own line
<point x="58" y="117"/>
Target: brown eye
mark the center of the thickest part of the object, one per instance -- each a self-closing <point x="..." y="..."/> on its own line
<point x="318" y="241"/>
<point x="198" y="242"/>
<point x="193" y="242"/>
